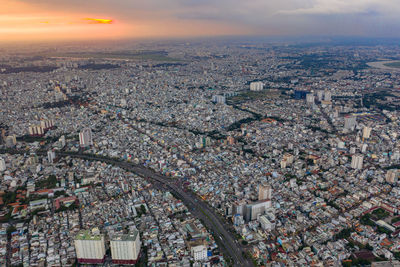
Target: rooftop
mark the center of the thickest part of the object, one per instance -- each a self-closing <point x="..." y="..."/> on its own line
<point x="87" y="235"/>
<point x="125" y="237"/>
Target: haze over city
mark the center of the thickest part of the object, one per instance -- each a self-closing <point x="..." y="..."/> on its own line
<point x="29" y="20"/>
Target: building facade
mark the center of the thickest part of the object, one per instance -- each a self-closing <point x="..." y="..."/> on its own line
<point x="90" y="247"/>
<point x="256" y="86"/>
<point x="125" y="249"/>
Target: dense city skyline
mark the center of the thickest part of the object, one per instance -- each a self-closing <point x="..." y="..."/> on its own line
<point x="200" y="133"/>
<point x="29" y="20"/>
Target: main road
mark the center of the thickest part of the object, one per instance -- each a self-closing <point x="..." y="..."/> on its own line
<point x="225" y="240"/>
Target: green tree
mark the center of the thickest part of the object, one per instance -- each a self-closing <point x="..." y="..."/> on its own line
<point x="142" y="209"/>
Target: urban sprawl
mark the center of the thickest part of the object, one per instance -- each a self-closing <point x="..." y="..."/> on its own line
<point x="209" y="153"/>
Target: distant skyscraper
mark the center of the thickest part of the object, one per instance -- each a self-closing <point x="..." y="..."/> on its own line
<point x="357" y="161"/>
<point x="350" y="122"/>
<point x="367" y="132"/>
<point x="51" y="155"/>
<point x="264" y="192"/>
<point x="395" y="155"/>
<point x="37" y="130"/>
<point x="220" y="99"/>
<point x="90" y="247"/>
<point x="310" y="98"/>
<point x="391" y="176"/>
<point x="256" y="86"/>
<point x="364" y="148"/>
<point x="327" y="96"/>
<point x="2" y="165"/>
<point x="125" y="248"/>
<point x="85" y="137"/>
<point x="47" y="124"/>
<point x="320" y="95"/>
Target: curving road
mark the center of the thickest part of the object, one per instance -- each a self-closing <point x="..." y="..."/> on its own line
<point x="198" y="208"/>
<point x="225" y="240"/>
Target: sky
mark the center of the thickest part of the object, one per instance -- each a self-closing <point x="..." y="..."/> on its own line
<point x="42" y="20"/>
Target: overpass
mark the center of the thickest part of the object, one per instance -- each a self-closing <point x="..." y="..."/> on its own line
<point x="227" y="243"/>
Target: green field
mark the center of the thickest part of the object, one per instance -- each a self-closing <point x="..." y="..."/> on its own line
<point x="118" y="55"/>
<point x="256" y="95"/>
<point x="393" y="64"/>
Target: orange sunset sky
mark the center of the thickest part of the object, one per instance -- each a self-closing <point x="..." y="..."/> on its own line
<point x="31" y="20"/>
<point x="35" y="20"/>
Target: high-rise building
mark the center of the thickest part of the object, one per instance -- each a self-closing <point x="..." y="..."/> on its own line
<point x="36" y="130"/>
<point x="85" y="137"/>
<point x="219" y="99"/>
<point x="320" y="95"/>
<point x="2" y="136"/>
<point x="256" y="86"/>
<point x="367" y="132"/>
<point x="253" y="210"/>
<point x="51" y="155"/>
<point x="391" y="176"/>
<point x="310" y="98"/>
<point x="47" y="124"/>
<point x="125" y="248"/>
<point x="327" y="96"/>
<point x="350" y="122"/>
<point x="264" y="192"/>
<point x="205" y="141"/>
<point x="90" y="247"/>
<point x="395" y="155"/>
<point x="357" y="161"/>
<point x="364" y="148"/>
<point x="2" y="165"/>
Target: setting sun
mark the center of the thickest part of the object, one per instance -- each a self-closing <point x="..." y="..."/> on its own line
<point x="100" y="21"/>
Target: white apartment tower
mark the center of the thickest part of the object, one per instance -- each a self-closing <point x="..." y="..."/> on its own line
<point x="90" y="247"/>
<point x="51" y="155"/>
<point x="366" y="132"/>
<point x="125" y="248"/>
<point x="256" y="86"/>
<point x="327" y="96"/>
<point x="310" y="98"/>
<point x="219" y="99"/>
<point x="2" y="165"/>
<point x="350" y="122"/>
<point x="357" y="161"/>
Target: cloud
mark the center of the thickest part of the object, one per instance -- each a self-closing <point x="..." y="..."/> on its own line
<point x="329" y="7"/>
<point x="263" y="17"/>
